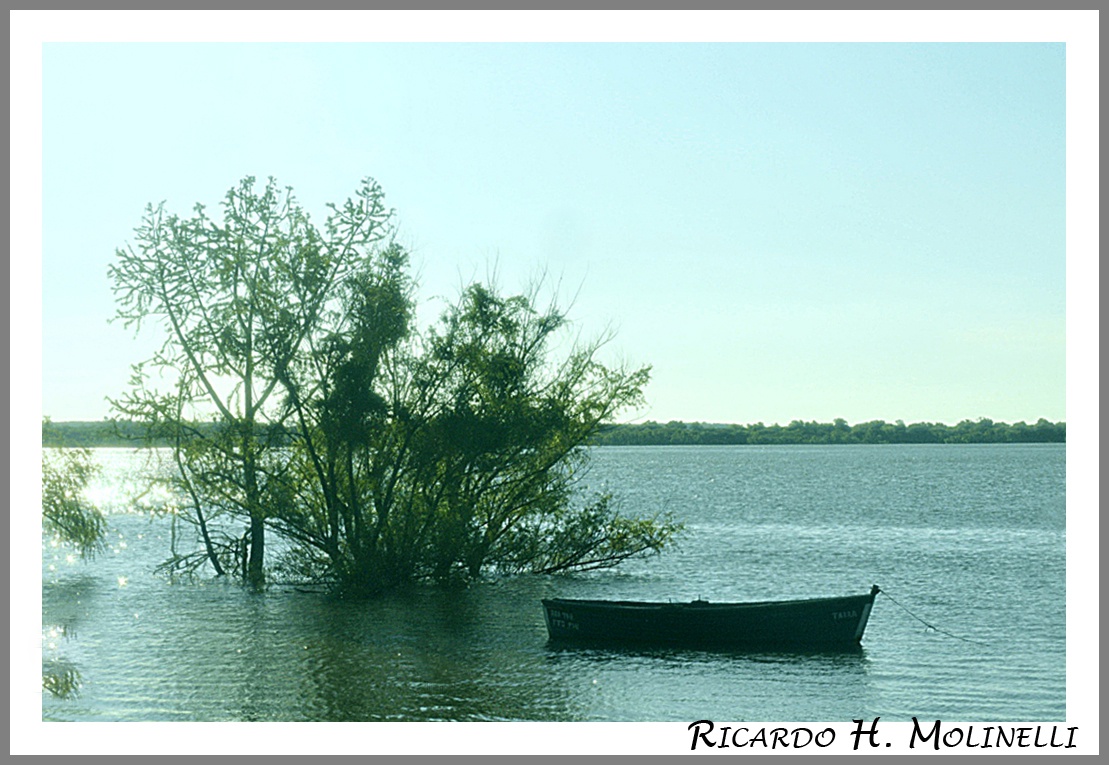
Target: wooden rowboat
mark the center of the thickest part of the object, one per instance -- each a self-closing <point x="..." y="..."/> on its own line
<point x="818" y="623"/>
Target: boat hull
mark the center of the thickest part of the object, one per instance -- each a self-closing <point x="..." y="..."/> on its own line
<point x="818" y="623"/>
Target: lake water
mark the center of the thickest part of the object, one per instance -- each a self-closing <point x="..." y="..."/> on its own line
<point x="970" y="539"/>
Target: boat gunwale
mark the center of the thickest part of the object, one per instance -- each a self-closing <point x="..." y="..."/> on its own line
<point x="701" y="604"/>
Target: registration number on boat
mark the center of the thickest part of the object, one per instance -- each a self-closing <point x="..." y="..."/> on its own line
<point x="838" y="615"/>
<point x="563" y="620"/>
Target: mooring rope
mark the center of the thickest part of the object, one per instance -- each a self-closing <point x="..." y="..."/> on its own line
<point x="931" y="626"/>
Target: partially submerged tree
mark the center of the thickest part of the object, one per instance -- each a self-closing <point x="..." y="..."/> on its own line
<point x="455" y="453"/>
<point x="380" y="454"/>
<point x="237" y="297"/>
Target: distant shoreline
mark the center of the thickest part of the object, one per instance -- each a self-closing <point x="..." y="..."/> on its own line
<point x="110" y="433"/>
<point x="982" y="431"/>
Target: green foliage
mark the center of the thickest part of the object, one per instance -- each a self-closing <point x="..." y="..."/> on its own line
<point x="61" y="678"/>
<point x="304" y="401"/>
<point x="594" y="537"/>
<point x="239" y="298"/>
<point x="65" y="513"/>
<point x="449" y="454"/>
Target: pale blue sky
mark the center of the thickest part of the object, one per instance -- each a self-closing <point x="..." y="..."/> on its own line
<point x="783" y="231"/>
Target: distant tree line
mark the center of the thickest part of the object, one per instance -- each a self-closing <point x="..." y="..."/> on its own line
<point x="126" y="433"/>
<point x="122" y="433"/>
<point x="983" y="431"/>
